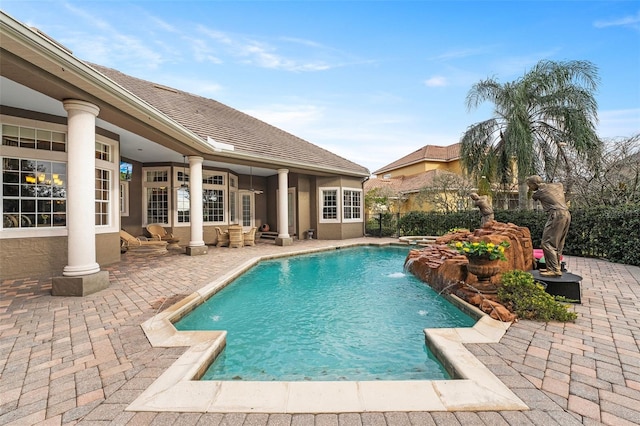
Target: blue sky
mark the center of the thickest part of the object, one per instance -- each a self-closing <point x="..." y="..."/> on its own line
<point x="369" y="80"/>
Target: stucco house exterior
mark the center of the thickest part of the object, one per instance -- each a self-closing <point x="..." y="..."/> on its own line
<point x="403" y="179"/>
<point x="87" y="150"/>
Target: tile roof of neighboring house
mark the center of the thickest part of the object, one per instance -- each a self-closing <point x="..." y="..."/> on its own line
<point x="404" y="184"/>
<point x="209" y="118"/>
<point x="426" y="153"/>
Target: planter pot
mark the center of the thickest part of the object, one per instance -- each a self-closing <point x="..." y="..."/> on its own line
<point x="484" y="268"/>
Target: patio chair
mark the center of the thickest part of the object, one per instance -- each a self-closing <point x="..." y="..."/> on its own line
<point x="222" y="237"/>
<point x="158" y="233"/>
<point x="250" y="237"/>
<point x="140" y="245"/>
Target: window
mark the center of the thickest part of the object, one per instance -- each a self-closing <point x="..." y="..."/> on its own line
<point x="105" y="172"/>
<point x="31" y="138"/>
<point x="34" y="177"/>
<point x="103" y="182"/>
<point x="247" y="209"/>
<point x="351" y="205"/>
<point x="33" y="193"/>
<point x="213" y="196"/>
<point x="103" y="151"/>
<point x="182" y="195"/>
<point x="329" y="205"/>
<point x="233" y="199"/>
<point x="157" y="195"/>
<point x="124" y="198"/>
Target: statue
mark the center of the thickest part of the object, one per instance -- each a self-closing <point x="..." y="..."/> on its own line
<point x="482" y="202"/>
<point x="551" y="196"/>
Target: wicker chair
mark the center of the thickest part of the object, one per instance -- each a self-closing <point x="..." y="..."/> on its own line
<point x="222" y="237"/>
<point x="158" y="233"/>
<point x="250" y="237"/>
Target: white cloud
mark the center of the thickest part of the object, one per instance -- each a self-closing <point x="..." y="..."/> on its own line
<point x="436" y="81"/>
<point x="263" y="54"/>
<point x="288" y="117"/>
<point x="619" y="123"/>
<point x="106" y="45"/>
<point x="464" y="53"/>
<point x="627" y="21"/>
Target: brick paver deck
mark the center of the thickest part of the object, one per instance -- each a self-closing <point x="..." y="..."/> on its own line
<point x="82" y="361"/>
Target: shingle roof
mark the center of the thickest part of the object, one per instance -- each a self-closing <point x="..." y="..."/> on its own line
<point x="209" y="118"/>
<point x="404" y="184"/>
<point x="426" y="153"/>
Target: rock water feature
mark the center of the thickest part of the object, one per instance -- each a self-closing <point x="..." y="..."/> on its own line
<point x="445" y="270"/>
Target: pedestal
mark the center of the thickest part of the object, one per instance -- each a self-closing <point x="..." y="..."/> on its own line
<point x="284" y="241"/>
<point x="81" y="285"/>
<point x="196" y="251"/>
<point x="483" y="269"/>
<point x="567" y="285"/>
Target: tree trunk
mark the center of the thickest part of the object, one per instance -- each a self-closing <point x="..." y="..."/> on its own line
<point x="524" y="202"/>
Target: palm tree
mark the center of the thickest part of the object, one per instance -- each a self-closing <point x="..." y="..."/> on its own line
<point x="537" y="120"/>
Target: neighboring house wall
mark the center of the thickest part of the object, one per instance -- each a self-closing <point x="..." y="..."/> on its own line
<point x="451" y="166"/>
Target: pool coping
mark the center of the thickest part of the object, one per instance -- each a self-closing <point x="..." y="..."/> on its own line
<point x="179" y="390"/>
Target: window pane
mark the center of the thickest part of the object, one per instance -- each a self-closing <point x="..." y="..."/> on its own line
<point x="10" y="135"/>
<point x="28" y="188"/>
<point x="183" y="205"/>
<point x="157" y="205"/>
<point x="27" y="137"/>
<point x="330" y="204"/>
<point x="213" y="205"/>
<point x="43" y="139"/>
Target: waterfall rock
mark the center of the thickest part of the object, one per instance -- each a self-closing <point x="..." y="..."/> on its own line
<point x="445" y="270"/>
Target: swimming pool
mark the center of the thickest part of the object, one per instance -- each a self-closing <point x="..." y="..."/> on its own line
<point x="349" y="314"/>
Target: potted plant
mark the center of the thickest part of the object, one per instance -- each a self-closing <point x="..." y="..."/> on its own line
<point x="483" y="257"/>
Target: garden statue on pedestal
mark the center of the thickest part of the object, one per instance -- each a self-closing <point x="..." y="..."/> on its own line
<point x="482" y="202"/>
<point x="551" y="196"/>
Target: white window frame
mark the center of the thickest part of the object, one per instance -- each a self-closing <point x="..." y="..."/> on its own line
<point x="218" y="187"/>
<point x="124" y="198"/>
<point x="61" y="156"/>
<point x="321" y="205"/>
<point x="180" y="176"/>
<point x="146" y="186"/>
<point x="353" y="209"/>
<point x="112" y="165"/>
<point x="234" y="203"/>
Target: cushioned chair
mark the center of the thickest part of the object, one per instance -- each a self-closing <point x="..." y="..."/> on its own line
<point x="158" y="232"/>
<point x="141" y="245"/>
<point x="222" y="237"/>
<point x="250" y="237"/>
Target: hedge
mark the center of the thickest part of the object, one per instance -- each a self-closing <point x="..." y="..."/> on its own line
<point x="611" y="233"/>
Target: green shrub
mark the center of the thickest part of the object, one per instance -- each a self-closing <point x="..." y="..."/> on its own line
<point x="605" y="232"/>
<point x="521" y="294"/>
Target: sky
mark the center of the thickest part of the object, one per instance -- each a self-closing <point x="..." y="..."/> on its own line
<point x="371" y="81"/>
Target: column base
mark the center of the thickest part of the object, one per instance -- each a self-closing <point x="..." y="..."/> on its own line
<point x="288" y="241"/>
<point x="196" y="251"/>
<point x="83" y="285"/>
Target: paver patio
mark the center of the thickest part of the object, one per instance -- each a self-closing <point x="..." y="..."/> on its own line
<point x="82" y="361"/>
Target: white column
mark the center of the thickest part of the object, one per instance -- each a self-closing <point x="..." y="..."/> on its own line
<point x="195" y="201"/>
<point x="283" y="210"/>
<point x="81" y="218"/>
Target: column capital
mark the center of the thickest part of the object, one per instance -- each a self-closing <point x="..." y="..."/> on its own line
<point x="76" y="104"/>
<point x="195" y="159"/>
<point x="283" y="171"/>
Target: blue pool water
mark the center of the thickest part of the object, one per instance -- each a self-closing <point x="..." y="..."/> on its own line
<point x="349" y="314"/>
